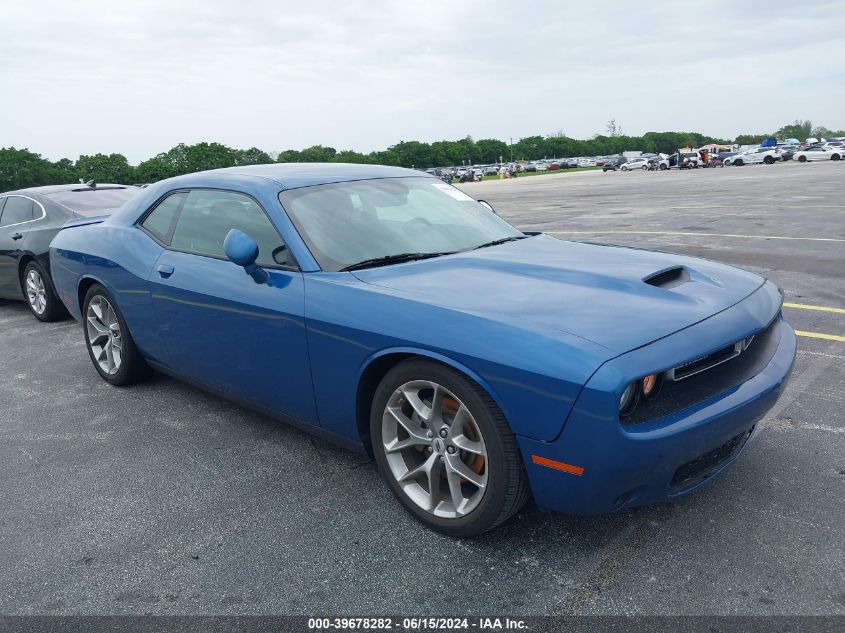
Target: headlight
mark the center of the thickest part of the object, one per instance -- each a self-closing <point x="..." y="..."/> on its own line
<point x="646" y="388"/>
<point x="629" y="398"/>
<point x="651" y="386"/>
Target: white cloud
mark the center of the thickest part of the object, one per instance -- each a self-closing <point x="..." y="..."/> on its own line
<point x="137" y="78"/>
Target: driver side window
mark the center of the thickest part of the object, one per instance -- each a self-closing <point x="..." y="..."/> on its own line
<point x="205" y="218"/>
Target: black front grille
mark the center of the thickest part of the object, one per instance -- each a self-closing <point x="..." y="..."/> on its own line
<point x="699" y="468"/>
<point x="697" y="387"/>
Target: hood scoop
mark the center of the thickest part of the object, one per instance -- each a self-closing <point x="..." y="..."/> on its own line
<point x="668" y="278"/>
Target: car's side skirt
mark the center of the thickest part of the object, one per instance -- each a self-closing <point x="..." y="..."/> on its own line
<point x="312" y="429"/>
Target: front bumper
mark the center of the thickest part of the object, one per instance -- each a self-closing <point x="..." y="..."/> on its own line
<point x="616" y="466"/>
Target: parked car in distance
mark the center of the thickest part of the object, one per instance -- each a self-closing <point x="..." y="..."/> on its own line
<point x="491" y="170"/>
<point x="688" y="160"/>
<point x="634" y="163"/>
<point x="766" y="155"/>
<point x="719" y="159"/>
<point x="29" y="219"/>
<point x="280" y="286"/>
<point x="612" y="164"/>
<point x="818" y="153"/>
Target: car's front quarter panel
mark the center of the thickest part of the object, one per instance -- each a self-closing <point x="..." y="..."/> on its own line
<point x="534" y="377"/>
<point x="626" y="465"/>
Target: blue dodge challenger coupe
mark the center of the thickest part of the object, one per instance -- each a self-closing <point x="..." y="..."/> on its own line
<point x="386" y="310"/>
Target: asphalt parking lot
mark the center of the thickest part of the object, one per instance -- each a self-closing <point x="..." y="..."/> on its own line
<point x="162" y="499"/>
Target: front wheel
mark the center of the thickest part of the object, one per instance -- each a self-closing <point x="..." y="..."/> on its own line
<point x="663" y="167"/>
<point x="802" y="159"/>
<point x="768" y="160"/>
<point x="738" y="163"/>
<point x="110" y="345"/>
<point x="835" y="157"/>
<point x="445" y="449"/>
<point x="42" y="301"/>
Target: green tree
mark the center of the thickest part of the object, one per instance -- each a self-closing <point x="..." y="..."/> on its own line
<point x="752" y="139"/>
<point x="20" y="168"/>
<point x="289" y="156"/>
<point x="318" y="154"/>
<point x="104" y="168"/>
<point x="799" y="129"/>
<point x="252" y="156"/>
<point x="203" y="156"/>
<point x="489" y="150"/>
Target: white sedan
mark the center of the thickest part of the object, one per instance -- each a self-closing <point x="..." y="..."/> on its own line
<point x="819" y="153"/>
<point x="765" y="155"/>
<point x="634" y="163"/>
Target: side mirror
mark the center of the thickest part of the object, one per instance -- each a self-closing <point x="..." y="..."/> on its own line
<point x="484" y="203"/>
<point x="242" y="250"/>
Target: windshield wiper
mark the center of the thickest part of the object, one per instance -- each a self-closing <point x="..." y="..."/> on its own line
<point x="391" y="259"/>
<point x="502" y="240"/>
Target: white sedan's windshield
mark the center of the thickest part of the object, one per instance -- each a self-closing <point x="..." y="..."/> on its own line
<point x="346" y="223"/>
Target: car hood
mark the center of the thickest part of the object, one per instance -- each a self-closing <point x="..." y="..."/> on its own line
<point x="592" y="291"/>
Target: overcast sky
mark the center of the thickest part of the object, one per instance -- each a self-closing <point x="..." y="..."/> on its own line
<point x="139" y="77"/>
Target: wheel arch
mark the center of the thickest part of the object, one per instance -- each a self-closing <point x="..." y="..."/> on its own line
<point x="375" y="368"/>
<point x="24" y="261"/>
<point x="85" y="283"/>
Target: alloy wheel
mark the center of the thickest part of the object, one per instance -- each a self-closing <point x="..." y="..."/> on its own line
<point x="104" y="336"/>
<point x="36" y="292"/>
<point x="434" y="449"/>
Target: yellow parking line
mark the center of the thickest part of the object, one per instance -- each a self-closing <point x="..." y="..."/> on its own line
<point x="753" y="237"/>
<point x="804" y="306"/>
<point x="827" y="337"/>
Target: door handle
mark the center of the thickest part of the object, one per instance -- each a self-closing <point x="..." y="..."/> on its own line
<point x="165" y="270"/>
<point x="17" y="236"/>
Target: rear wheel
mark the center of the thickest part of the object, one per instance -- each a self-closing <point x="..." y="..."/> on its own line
<point x="738" y="162"/>
<point x="835" y="157"/>
<point x="445" y="449"/>
<point x="39" y="295"/>
<point x="644" y="167"/>
<point x="110" y="344"/>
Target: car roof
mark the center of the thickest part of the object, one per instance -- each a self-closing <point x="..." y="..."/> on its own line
<point x="47" y="190"/>
<point x="295" y="175"/>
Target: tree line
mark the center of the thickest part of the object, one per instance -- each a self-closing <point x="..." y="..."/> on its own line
<point x="20" y="168"/>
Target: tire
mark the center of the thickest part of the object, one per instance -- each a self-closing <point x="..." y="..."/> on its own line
<point x="623" y="168"/>
<point x="644" y="167"/>
<point x="802" y="159"/>
<point x="128" y="366"/>
<point x="663" y="167"/>
<point x="768" y="160"/>
<point x="738" y="163"/>
<point x="835" y="157"/>
<point x="494" y="457"/>
<point x="39" y="294"/>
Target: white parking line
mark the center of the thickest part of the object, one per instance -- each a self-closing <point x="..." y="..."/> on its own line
<point x="691" y="234"/>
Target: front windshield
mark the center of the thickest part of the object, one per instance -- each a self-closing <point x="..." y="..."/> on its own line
<point x="351" y="222"/>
